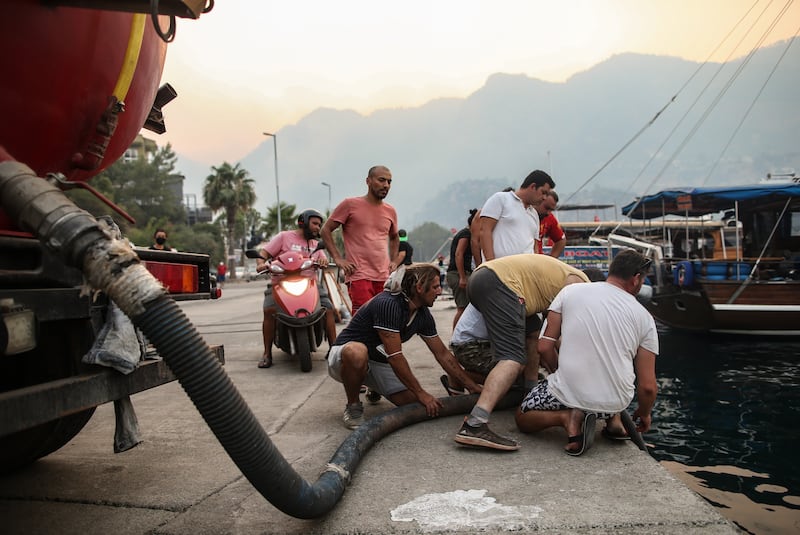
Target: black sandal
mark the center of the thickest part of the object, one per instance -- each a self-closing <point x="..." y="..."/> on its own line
<point x="450" y="391"/>
<point x="265" y="362"/>
<point x="586" y="438"/>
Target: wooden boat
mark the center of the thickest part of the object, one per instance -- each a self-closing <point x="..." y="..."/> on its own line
<point x="735" y="268"/>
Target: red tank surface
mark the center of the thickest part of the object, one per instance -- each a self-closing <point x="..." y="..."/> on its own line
<point x="76" y="87"/>
<point x="62" y="71"/>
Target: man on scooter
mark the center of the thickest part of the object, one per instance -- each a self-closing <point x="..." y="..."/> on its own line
<point x="303" y="239"/>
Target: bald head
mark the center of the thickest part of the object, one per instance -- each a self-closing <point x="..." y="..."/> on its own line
<point x="379" y="182"/>
<point x="378" y="170"/>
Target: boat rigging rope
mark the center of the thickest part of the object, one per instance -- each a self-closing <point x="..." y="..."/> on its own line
<point x="752" y="104"/>
<point x="723" y="91"/>
<point x="658" y="114"/>
<point x="716" y="101"/>
<point x="744" y="284"/>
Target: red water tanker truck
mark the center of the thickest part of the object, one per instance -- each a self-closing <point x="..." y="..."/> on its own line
<point x="79" y="80"/>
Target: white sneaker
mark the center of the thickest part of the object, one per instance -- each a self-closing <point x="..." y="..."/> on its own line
<point x="353" y="415"/>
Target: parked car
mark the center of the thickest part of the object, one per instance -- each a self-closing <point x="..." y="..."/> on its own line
<point x="244" y="273"/>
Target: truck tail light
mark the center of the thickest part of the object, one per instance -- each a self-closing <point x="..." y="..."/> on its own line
<point x="177" y="278"/>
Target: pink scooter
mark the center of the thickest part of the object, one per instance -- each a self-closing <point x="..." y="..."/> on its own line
<point x="300" y="319"/>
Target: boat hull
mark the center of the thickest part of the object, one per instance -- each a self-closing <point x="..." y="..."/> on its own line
<point x="761" y="308"/>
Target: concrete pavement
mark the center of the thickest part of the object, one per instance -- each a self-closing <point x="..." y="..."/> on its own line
<point x="416" y="480"/>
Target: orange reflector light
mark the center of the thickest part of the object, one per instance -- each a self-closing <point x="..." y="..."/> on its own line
<point x="177" y="278"/>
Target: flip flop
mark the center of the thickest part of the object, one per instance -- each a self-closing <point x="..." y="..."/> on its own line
<point x="450" y="391"/>
<point x="586" y="437"/>
<point x="616" y="437"/>
<point x="265" y="362"/>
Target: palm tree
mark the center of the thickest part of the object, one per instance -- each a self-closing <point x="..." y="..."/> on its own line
<point x="288" y="216"/>
<point x="229" y="189"/>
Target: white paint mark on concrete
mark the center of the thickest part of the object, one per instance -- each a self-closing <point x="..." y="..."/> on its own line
<point x="464" y="509"/>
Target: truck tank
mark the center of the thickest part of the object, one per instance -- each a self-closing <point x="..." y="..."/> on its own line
<point x="78" y="84"/>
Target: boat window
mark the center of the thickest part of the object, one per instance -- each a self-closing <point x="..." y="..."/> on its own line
<point x="730" y="238"/>
<point x="795" y="224"/>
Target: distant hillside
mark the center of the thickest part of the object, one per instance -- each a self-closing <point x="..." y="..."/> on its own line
<point x="450" y="154"/>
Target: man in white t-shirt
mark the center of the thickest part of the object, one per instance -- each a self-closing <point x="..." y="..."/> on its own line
<point x="509" y="225"/>
<point x="509" y="222"/>
<point x="607" y="351"/>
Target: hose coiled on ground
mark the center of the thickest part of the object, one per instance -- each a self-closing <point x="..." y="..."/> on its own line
<point x="112" y="266"/>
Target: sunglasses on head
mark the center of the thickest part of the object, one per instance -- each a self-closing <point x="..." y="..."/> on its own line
<point x="645" y="267"/>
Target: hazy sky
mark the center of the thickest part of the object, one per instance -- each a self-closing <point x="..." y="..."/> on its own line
<point x="251" y="66"/>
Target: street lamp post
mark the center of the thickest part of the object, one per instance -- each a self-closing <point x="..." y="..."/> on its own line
<point x="329" y="196"/>
<point x="277" y="187"/>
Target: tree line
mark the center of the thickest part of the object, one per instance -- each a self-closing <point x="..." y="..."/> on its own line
<point x="147" y="189"/>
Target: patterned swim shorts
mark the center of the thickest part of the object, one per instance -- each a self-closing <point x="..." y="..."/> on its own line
<point x="540" y="399"/>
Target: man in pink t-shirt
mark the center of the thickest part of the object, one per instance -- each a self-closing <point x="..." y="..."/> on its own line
<point x="371" y="241"/>
<point x="303" y="240"/>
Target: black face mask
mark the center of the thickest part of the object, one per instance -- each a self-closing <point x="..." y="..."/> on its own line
<point x="161" y="241"/>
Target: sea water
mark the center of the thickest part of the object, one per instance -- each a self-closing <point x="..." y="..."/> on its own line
<point x="727" y="423"/>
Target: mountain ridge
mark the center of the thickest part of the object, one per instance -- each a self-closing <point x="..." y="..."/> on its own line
<point x="441" y="152"/>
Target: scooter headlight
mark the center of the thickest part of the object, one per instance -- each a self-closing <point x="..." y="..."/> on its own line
<point x="297" y="287"/>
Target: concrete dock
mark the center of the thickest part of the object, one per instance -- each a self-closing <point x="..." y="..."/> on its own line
<point x="416" y="480"/>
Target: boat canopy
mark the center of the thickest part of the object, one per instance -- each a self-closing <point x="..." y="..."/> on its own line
<point x="702" y="201"/>
<point x="572" y="207"/>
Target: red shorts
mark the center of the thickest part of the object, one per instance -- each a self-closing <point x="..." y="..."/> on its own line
<point x="362" y="291"/>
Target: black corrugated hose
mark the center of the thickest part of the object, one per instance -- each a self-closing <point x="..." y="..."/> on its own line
<point x="248" y="445"/>
<point x="113" y="267"/>
<point x="37" y="206"/>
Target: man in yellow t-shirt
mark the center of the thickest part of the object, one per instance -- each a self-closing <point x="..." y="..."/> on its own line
<point x="505" y="291"/>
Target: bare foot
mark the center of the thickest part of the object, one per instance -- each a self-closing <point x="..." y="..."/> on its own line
<point x="575" y="422"/>
<point x="614" y="428"/>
